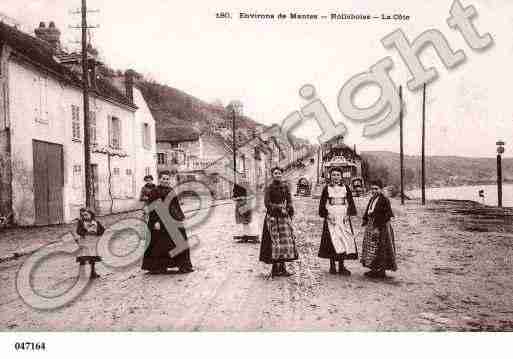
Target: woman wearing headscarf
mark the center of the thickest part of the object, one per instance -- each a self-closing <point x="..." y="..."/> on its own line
<point x="336" y="206"/>
<point x="156" y="257"/>
<point x="378" y="248"/>
<point x="278" y="239"/>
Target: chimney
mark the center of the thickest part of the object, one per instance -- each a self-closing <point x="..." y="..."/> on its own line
<point x="129" y="85"/>
<point x="49" y="34"/>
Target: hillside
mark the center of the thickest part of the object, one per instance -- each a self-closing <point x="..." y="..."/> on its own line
<point x="171" y="107"/>
<point x="440" y="170"/>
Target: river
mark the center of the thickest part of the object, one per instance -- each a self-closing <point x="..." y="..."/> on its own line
<point x="469" y="193"/>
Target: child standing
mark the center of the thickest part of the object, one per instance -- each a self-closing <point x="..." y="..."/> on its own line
<point x="89" y="226"/>
<point x="145" y="195"/>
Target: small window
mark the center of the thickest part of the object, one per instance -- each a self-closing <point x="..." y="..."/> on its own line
<point x="161" y="158"/>
<point x="75" y="123"/>
<point x="77" y="176"/>
<point x="115" y="133"/>
<point x="92" y="128"/>
<point x="130" y="184"/>
<point x="41" y="106"/>
<point x="116" y="183"/>
<point x="146" y="136"/>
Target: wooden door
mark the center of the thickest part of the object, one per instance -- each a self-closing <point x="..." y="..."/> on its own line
<point x="48" y="183"/>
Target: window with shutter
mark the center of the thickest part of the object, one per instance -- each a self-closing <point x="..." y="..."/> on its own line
<point x="41" y="102"/>
<point x="45" y="101"/>
<point x="161" y="158"/>
<point x="77" y="176"/>
<point x="115" y="133"/>
<point x="116" y="185"/>
<point x="146" y="136"/>
<point x="75" y="123"/>
<point x="130" y="184"/>
<point x="92" y="128"/>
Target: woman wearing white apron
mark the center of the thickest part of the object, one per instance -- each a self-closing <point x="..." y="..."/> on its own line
<point x="336" y="206"/>
<point x="243" y="213"/>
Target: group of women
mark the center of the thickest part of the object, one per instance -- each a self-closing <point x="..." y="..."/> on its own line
<point x="278" y="244"/>
<point x="337" y="240"/>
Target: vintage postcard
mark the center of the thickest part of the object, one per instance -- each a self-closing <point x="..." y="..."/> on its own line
<point x="270" y="166"/>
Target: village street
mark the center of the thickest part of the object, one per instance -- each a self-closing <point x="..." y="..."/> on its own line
<point x="449" y="278"/>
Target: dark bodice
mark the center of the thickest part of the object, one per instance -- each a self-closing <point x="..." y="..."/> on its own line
<point x="277" y="196"/>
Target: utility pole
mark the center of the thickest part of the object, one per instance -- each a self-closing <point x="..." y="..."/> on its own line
<point x="423" y="145"/>
<point x="500" y="151"/>
<point x="318" y="161"/>
<point x="234" y="146"/>
<point x="85" y="88"/>
<point x="85" y="91"/>
<point x="401" y="149"/>
<point x="235" y="108"/>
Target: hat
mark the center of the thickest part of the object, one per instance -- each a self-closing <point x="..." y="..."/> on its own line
<point x="87" y="209"/>
<point x="378" y="183"/>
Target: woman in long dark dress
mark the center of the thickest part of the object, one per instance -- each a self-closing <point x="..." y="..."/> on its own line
<point x="278" y="239"/>
<point x="336" y="206"/>
<point x="156" y="257"/>
<point x="378" y="248"/>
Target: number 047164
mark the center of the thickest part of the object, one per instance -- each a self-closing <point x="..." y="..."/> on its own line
<point x="29" y="346"/>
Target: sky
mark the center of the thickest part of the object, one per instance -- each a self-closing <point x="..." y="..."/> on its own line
<point x="265" y="63"/>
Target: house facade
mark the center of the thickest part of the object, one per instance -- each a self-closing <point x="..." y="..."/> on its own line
<point x="208" y="158"/>
<point x="144" y="129"/>
<point x="183" y="150"/>
<point x="42" y="136"/>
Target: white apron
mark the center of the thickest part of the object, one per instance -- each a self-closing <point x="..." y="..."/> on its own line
<point x="341" y="236"/>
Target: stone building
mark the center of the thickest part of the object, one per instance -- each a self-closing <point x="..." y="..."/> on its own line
<point x="42" y="134"/>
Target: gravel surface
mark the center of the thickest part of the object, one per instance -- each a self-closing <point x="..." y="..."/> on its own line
<point x="451" y="276"/>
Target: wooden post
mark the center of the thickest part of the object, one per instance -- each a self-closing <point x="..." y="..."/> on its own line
<point x="401" y="149"/>
<point x="318" y="162"/>
<point x="85" y="90"/>
<point x="234" y="148"/>
<point x="424" y="145"/>
<point x="499" y="181"/>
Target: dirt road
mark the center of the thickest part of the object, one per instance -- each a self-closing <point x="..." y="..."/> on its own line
<point x="449" y="278"/>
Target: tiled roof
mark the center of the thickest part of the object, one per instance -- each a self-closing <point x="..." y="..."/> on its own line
<point x="177" y="134"/>
<point x="41" y="54"/>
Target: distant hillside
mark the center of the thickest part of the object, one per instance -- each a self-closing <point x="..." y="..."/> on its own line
<point x="440" y="170"/>
<point x="171" y="107"/>
<point x="175" y="107"/>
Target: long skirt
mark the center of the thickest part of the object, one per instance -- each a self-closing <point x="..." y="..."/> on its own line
<point x="157" y="258"/>
<point x="344" y="246"/>
<point x="278" y="241"/>
<point x="378" y="248"/>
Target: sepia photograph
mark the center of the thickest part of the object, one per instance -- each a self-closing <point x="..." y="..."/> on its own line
<point x="285" y="166"/>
